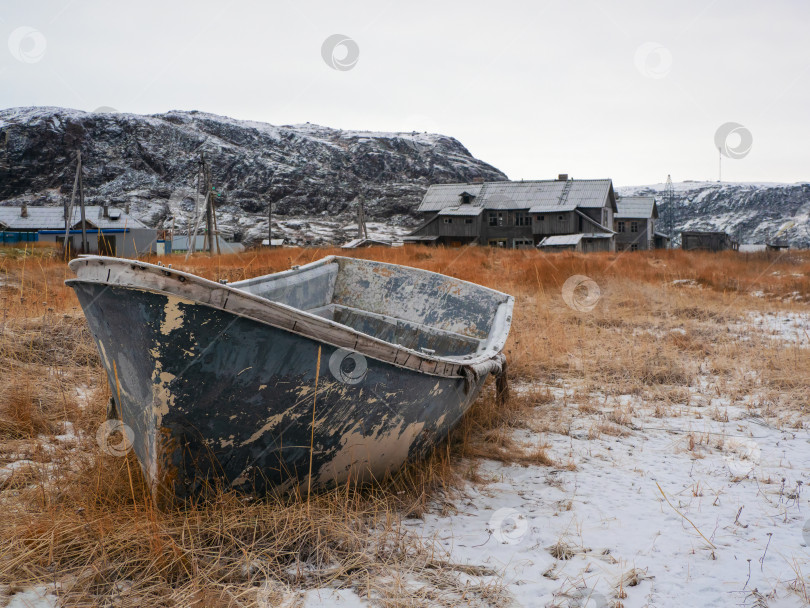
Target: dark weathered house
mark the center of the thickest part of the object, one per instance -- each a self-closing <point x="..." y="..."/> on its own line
<point x="777" y="245"/>
<point x="635" y="222"/>
<point x="518" y="214"/>
<point x="707" y="240"/>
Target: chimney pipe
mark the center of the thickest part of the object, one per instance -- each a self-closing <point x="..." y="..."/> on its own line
<point x="126" y="208"/>
<point x="106" y="210"/>
<point x="562" y="177"/>
<point x="24" y="210"/>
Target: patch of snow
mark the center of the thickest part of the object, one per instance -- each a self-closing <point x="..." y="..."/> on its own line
<point x="789" y="327"/>
<point x="326" y="598"/>
<point x="560" y="534"/>
<point x="38" y="597"/>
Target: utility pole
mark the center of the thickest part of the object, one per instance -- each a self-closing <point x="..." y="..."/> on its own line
<point x="669" y="192"/>
<point x="362" y="233"/>
<point x="211" y="228"/>
<point x="719" y="165"/>
<point x="81" y="205"/>
<point x="78" y="187"/>
<point x="69" y="208"/>
<point x="270" y="224"/>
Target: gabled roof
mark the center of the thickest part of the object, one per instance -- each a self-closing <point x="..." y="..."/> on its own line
<point x="636" y="207"/>
<point x="558" y="240"/>
<point x="541" y="196"/>
<point x="561" y="239"/>
<point x="53" y="218"/>
<point x="463" y="210"/>
<point x="440" y="196"/>
<point x="355" y="243"/>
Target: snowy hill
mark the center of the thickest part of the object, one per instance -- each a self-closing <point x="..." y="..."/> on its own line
<point x="313" y="175"/>
<point x="753" y="212"/>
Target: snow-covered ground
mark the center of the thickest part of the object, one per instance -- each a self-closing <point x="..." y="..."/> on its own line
<point x="698" y="504"/>
<point x="788" y="327"/>
<point x="739" y="482"/>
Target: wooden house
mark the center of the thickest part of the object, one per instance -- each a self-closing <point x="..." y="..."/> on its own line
<point x="707" y="240"/>
<point x="517" y="214"/>
<point x="635" y="224"/>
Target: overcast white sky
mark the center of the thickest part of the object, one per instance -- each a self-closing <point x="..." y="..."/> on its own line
<point x="631" y="90"/>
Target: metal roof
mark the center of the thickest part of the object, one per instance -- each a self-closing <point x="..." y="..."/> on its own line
<point x="355" y="243"/>
<point x="641" y="207"/>
<point x="561" y="239"/>
<point x="440" y="196"/>
<point x="53" y="218"/>
<point x="420" y="238"/>
<point x="541" y="196"/>
<point x="464" y="210"/>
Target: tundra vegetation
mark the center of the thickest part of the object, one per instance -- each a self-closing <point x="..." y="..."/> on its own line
<point x="80" y="520"/>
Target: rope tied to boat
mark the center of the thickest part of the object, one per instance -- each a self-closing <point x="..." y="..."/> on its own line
<point x="495" y="366"/>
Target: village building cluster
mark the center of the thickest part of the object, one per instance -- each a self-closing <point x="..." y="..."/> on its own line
<point x="563" y="214"/>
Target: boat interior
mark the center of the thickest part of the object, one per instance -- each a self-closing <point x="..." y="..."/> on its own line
<point x="416" y="309"/>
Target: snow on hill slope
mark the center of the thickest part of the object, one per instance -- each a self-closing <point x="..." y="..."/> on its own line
<point x="753" y="212"/>
<point x="312" y="175"/>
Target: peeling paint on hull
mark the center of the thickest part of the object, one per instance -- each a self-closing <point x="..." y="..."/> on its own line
<point x="215" y="397"/>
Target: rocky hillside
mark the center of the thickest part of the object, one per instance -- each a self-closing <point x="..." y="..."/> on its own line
<point x="312" y="175"/>
<point x="753" y="212"/>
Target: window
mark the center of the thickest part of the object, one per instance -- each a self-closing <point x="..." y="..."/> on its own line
<point x="540" y="218"/>
<point x="560" y="218"/>
<point x="468" y="220"/>
<point x="448" y="220"/>
<point x="497" y="242"/>
<point x="493" y="219"/>
<point x="633" y="226"/>
<point x="634" y="247"/>
<point x="620" y="227"/>
<point x="523" y="219"/>
<point x="523" y="243"/>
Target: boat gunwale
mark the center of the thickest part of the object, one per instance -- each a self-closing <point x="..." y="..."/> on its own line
<point x="452" y="366"/>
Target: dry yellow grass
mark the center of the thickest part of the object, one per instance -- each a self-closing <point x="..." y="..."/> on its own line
<point x="77" y="516"/>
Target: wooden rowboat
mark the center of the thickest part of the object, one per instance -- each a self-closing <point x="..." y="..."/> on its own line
<point x="340" y="369"/>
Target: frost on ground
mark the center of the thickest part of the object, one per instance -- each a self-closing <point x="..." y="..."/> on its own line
<point x="676" y="510"/>
<point x="789" y="327"/>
